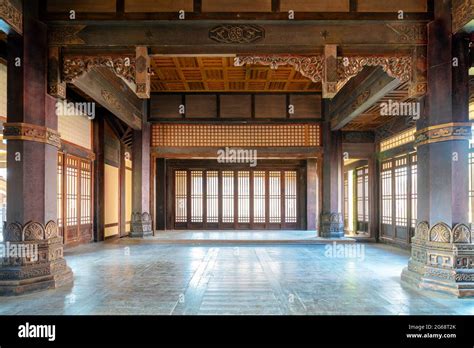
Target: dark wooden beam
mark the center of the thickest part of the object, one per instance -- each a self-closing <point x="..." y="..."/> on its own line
<point x="360" y="93"/>
<point x="211" y="152"/>
<point x="192" y="37"/>
<point x="103" y="86"/>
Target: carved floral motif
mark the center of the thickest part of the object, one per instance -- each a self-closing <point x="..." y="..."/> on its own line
<point x="30" y="132"/>
<point x="76" y="66"/>
<point x="236" y="33"/>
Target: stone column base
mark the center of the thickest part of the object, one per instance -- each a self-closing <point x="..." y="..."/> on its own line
<point x="442" y="259"/>
<point x="141" y="225"/>
<point x="331" y="225"/>
<point x="33" y="259"/>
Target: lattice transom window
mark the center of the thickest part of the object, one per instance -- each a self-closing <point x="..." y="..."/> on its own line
<point x="400" y="139"/>
<point x="186" y="135"/>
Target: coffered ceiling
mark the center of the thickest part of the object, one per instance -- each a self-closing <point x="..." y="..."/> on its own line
<point x="218" y="74"/>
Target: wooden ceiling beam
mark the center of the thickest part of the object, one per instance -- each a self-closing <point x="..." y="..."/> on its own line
<point x="193" y="37"/>
<point x="358" y="95"/>
<point x="108" y="90"/>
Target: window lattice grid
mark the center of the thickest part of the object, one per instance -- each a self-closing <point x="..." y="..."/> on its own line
<point x="60" y="190"/>
<point x="259" y="197"/>
<point x="86" y="193"/>
<point x="274" y="198"/>
<point x="471" y="187"/>
<point x="71" y="192"/>
<point x="196" y="196"/>
<point x="244" y="196"/>
<point x="401" y="196"/>
<point x="186" y="135"/>
<point x="362" y="194"/>
<point x="414" y="194"/>
<point x="228" y="197"/>
<point x="212" y="195"/>
<point x="290" y="197"/>
<point x="386" y="178"/>
<point x="346" y="198"/>
<point x="181" y="196"/>
<point x="400" y="139"/>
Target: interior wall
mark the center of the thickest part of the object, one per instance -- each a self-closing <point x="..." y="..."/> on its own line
<point x="111" y="184"/>
<point x="76" y="130"/>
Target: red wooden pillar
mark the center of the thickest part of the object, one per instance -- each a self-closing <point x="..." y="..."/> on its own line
<point x="33" y="142"/>
<point x="442" y="247"/>
<point x="141" y="218"/>
<point x="331" y="220"/>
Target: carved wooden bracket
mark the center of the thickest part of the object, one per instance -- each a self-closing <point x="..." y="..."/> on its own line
<point x="11" y="15"/>
<point x="315" y="67"/>
<point x="463" y="13"/>
<point x="142" y="73"/>
<point x="76" y="66"/>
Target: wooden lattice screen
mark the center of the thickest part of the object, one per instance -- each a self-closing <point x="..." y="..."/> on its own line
<point x="208" y="135"/>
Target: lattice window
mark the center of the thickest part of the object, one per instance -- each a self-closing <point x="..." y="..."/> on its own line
<point x="259" y="197"/>
<point x="196" y="196"/>
<point x="228" y="197"/>
<point x="414" y="189"/>
<point x="212" y="192"/>
<point x="386" y="177"/>
<point x="181" y="196"/>
<point x="275" y="196"/>
<point x="401" y="191"/>
<point x="206" y="135"/>
<point x="362" y="194"/>
<point x="60" y="189"/>
<point x="290" y="196"/>
<point x="400" y="139"/>
<point x="71" y="191"/>
<point x="244" y="197"/>
<point x="346" y="199"/>
<point x="86" y="193"/>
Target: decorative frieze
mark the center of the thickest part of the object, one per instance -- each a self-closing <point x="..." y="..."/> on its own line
<point x="443" y="132"/>
<point x="30" y="132"/>
<point x="410" y="32"/>
<point x="311" y="67"/>
<point x="314" y="67"/>
<point x="442" y="258"/>
<point x="76" y="66"/>
<point x="11" y="15"/>
<point x="236" y="33"/>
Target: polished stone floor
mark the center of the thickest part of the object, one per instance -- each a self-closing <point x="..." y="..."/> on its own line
<point x="116" y="278"/>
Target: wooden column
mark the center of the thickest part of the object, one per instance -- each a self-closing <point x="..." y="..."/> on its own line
<point x="160" y="187"/>
<point x="442" y="141"/>
<point x="332" y="221"/>
<point x="312" y="194"/>
<point x="99" y="177"/>
<point x="32" y="158"/>
<point x="141" y="218"/>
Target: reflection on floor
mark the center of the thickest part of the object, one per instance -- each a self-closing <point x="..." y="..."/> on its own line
<point x="112" y="278"/>
<point x="243" y="237"/>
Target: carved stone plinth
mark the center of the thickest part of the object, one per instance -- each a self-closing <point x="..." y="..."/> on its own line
<point x="331" y="225"/>
<point x="32" y="259"/>
<point x="442" y="259"/>
<point x="141" y="225"/>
